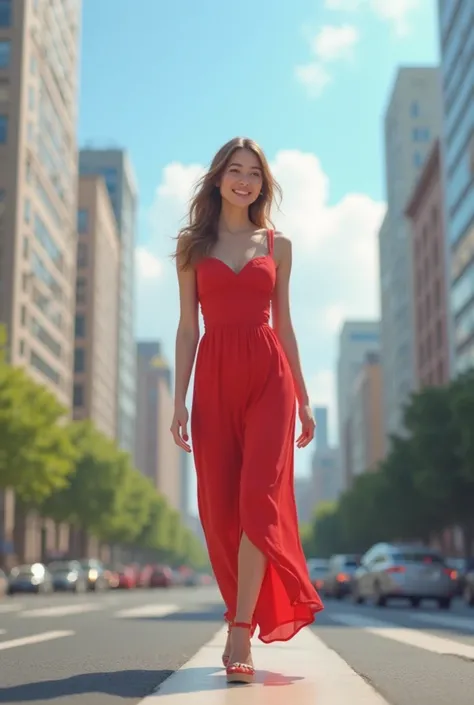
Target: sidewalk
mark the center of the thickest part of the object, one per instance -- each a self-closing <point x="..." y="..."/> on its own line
<point x="303" y="671"/>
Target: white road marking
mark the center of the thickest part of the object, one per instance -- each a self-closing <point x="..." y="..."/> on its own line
<point x="152" y="610"/>
<point x="446" y="620"/>
<point x="404" y="635"/>
<point x="62" y="610"/>
<point x="10" y="608"/>
<point x="35" y="639"/>
<point x="310" y="671"/>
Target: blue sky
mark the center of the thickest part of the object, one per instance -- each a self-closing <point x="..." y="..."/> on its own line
<point x="309" y="80"/>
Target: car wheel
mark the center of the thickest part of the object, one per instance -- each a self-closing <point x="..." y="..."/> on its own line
<point x="357" y="598"/>
<point x="444" y="603"/>
<point x="415" y="602"/>
<point x="379" y="599"/>
<point x="469" y="596"/>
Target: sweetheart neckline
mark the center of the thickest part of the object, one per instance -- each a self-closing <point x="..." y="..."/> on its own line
<point x="227" y="266"/>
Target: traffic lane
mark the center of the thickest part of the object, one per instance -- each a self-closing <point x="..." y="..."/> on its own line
<point x="456" y="623"/>
<point x="403" y="674"/>
<point x="28" y="607"/>
<point x="106" y="660"/>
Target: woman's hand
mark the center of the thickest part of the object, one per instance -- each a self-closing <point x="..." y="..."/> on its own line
<point x="307" y="427"/>
<point x="179" y="427"/>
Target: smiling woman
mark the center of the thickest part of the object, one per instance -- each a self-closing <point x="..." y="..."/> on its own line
<point x="243" y="419"/>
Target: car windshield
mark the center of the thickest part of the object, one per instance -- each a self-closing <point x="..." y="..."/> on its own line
<point x="351" y="563"/>
<point x="60" y="566"/>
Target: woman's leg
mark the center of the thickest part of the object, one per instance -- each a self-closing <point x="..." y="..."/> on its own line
<point x="251" y="571"/>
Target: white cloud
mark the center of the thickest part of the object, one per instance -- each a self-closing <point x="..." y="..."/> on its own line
<point x="314" y="77"/>
<point x="334" y="43"/>
<point x="329" y="45"/>
<point x="398" y="13"/>
<point x="335" y="271"/>
<point x="147" y="265"/>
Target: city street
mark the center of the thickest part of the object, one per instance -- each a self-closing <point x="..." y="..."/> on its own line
<point x="121" y="647"/>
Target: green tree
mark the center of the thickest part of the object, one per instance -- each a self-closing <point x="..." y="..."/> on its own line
<point x="437" y="440"/>
<point x="134" y="506"/>
<point x="36" y="452"/>
<point x="327" y="530"/>
<point x="94" y="495"/>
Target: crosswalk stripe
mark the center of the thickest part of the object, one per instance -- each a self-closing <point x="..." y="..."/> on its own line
<point x="9" y="608"/>
<point x="34" y="639"/>
<point x="445" y="620"/>
<point x="62" y="610"/>
<point x="310" y="671"/>
<point x="406" y="635"/>
<point x="152" y="610"/>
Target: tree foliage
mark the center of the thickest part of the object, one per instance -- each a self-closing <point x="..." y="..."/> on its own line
<point x="73" y="474"/>
<point x="423" y="486"/>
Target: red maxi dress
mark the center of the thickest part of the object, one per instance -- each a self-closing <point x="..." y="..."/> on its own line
<point x="243" y="431"/>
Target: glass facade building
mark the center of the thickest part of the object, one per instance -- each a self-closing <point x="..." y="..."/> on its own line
<point x="456" y="21"/>
<point x="116" y="170"/>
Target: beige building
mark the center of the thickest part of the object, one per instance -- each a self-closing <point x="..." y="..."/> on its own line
<point x="97" y="297"/>
<point x="367" y="431"/>
<point x="156" y="454"/>
<point x="39" y="45"/>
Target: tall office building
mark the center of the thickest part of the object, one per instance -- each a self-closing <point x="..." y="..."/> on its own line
<point x="97" y="308"/>
<point x="357" y="338"/>
<point x="156" y="454"/>
<point x="412" y="122"/>
<point x="321" y="433"/>
<point x="39" y="47"/>
<point x="117" y="172"/>
<point x="457" y="47"/>
<point x="367" y="444"/>
<point x="426" y="212"/>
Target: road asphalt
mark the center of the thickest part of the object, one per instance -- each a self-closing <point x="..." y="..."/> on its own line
<point x="159" y="647"/>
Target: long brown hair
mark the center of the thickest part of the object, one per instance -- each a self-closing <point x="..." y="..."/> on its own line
<point x="198" y="237"/>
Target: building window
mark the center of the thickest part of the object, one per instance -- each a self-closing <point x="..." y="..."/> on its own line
<point x="418" y="160"/>
<point x="31" y="98"/>
<point x="421" y="134"/>
<point x="5" y="54"/>
<point x="23" y="316"/>
<point x="78" y="395"/>
<point x="22" y="348"/>
<point x="415" y="109"/>
<point x="3" y="129"/>
<point x="27" y="211"/>
<point x="82" y="255"/>
<point x="82" y="220"/>
<point x="80" y="290"/>
<point x="80" y="327"/>
<point x="79" y="360"/>
<point x="5" y="13"/>
<point x="44" y="368"/>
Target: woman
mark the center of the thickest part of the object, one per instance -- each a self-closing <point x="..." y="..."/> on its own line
<point x="243" y="416"/>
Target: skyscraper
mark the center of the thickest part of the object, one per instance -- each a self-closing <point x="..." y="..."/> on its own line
<point x="457" y="65"/>
<point x="156" y="454"/>
<point x="116" y="169"/>
<point x="321" y="433"/>
<point x="97" y="299"/>
<point x="357" y="339"/>
<point x="412" y="122"/>
<point x="39" y="48"/>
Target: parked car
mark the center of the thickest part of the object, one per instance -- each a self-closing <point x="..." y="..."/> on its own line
<point x="3" y="583"/>
<point x="126" y="578"/>
<point x="340" y="575"/>
<point x="31" y="577"/>
<point x="161" y="576"/>
<point x="391" y="571"/>
<point x="68" y="576"/>
<point x="96" y="574"/>
<point x="468" y="593"/>
<point x="317" y="569"/>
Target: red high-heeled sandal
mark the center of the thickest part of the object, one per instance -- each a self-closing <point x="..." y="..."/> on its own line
<point x="240" y="672"/>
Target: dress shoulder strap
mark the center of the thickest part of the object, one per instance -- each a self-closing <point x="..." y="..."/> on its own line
<point x="270" y="240"/>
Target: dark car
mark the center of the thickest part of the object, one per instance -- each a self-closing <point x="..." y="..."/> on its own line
<point x="96" y="574"/>
<point x="468" y="592"/>
<point x="33" y="577"/>
<point x="68" y="576"/>
<point x="338" y="582"/>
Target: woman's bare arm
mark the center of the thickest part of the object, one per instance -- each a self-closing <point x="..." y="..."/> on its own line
<point x="187" y="338"/>
<point x="282" y="317"/>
